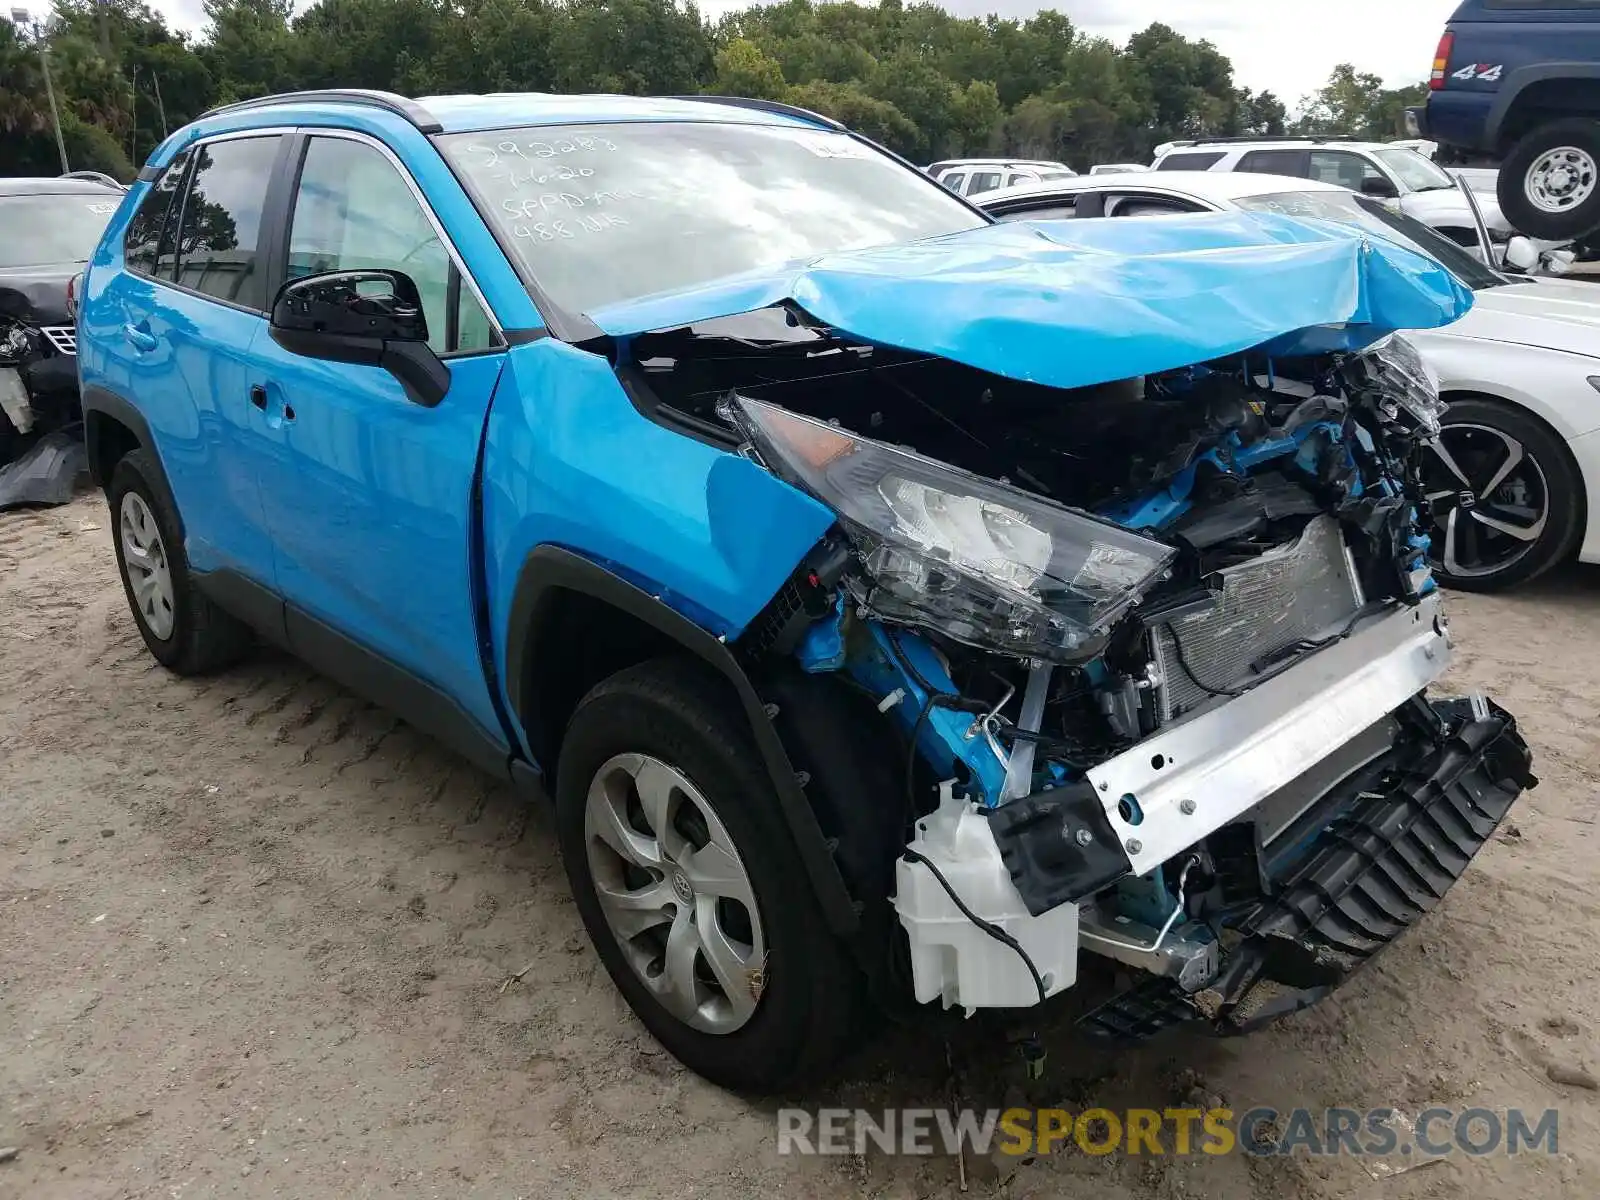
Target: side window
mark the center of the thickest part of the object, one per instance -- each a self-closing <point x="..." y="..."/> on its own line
<point x="1348" y="170"/>
<point x="354" y="211"/>
<point x="1017" y="177"/>
<point x="150" y="233"/>
<point x="1055" y="212"/>
<point x="1191" y="162"/>
<point x="1135" y="205"/>
<point x="219" y="234"/>
<point x="1275" y="162"/>
<point x="953" y="180"/>
<point x="984" y="181"/>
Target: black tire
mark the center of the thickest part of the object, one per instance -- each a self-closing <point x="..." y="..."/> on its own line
<point x="676" y="711"/>
<point x="1518" y="205"/>
<point x="203" y="638"/>
<point x="1550" y="470"/>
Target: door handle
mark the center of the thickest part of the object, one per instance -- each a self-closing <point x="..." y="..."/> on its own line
<point x="258" y="396"/>
<point x="139" y="339"/>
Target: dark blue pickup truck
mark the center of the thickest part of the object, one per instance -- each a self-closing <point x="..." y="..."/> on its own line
<point x="1520" y="80"/>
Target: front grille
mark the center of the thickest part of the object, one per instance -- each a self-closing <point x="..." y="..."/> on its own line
<point x="64" y="338"/>
<point x="1301" y="591"/>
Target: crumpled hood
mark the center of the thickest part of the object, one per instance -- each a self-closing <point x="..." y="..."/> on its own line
<point x="1556" y="314"/>
<point x="1074" y="303"/>
<point x="37" y="295"/>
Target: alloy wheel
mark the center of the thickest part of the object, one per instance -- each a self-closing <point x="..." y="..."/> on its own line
<point x="675" y="892"/>
<point x="1561" y="179"/>
<point x="1489" y="500"/>
<point x="144" y="559"/>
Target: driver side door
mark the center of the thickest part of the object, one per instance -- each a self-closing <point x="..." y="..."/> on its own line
<point x="370" y="496"/>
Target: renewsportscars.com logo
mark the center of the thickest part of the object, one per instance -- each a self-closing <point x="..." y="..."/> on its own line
<point x="1257" y="1132"/>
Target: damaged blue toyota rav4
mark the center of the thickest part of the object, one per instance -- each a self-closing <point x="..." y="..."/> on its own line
<point x="897" y="608"/>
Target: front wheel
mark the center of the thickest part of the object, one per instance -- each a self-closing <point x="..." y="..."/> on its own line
<point x="1549" y="185"/>
<point x="689" y="884"/>
<point x="1506" y="501"/>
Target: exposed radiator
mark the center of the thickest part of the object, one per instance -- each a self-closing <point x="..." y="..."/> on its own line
<point x="1301" y="591"/>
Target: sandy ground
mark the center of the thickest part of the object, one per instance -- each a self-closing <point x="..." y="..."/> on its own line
<point x="254" y="932"/>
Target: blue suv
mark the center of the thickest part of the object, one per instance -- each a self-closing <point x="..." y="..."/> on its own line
<point x="1519" y="80"/>
<point x="893" y="604"/>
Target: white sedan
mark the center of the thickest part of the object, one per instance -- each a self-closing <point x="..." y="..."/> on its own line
<point x="1512" y="475"/>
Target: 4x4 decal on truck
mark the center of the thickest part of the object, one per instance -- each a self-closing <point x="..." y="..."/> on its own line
<point x="1485" y="72"/>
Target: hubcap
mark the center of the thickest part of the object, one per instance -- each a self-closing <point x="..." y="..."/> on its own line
<point x="1489" y="501"/>
<point x="1561" y="179"/>
<point x="144" y="557"/>
<point x="675" y="893"/>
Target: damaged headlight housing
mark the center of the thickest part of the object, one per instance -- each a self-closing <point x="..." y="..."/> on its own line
<point x="984" y="563"/>
<point x="1392" y="372"/>
<point x="15" y="345"/>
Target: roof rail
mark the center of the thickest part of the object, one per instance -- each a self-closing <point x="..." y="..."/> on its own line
<point x="424" y="120"/>
<point x="1310" y="140"/>
<point x="769" y="106"/>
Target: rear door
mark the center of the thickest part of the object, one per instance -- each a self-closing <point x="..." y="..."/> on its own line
<point x="177" y="327"/>
<point x="371" y="498"/>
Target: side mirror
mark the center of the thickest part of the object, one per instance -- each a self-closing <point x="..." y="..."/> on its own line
<point x="1378" y="188"/>
<point x="374" y="318"/>
<point x="1521" y="254"/>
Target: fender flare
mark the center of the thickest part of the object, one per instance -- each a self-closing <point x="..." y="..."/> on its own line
<point x="550" y="570"/>
<point x="100" y="404"/>
<point x="1520" y="80"/>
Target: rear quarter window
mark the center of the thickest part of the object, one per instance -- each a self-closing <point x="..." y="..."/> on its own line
<point x="1191" y="162"/>
<point x="150" y="232"/>
<point x="1275" y="162"/>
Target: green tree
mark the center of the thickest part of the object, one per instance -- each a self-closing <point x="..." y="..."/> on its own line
<point x="912" y="75"/>
<point x="845" y="102"/>
<point x="1356" y="104"/>
<point x="743" y="70"/>
<point x="639" y="47"/>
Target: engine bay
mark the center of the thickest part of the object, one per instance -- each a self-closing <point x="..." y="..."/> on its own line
<point x="1287" y="490"/>
<point x="1084" y="609"/>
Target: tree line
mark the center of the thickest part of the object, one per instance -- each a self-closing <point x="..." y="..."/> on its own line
<point x="924" y="83"/>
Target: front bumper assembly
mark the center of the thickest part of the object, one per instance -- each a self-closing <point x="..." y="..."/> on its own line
<point x="1406" y="834"/>
<point x="1412" y="812"/>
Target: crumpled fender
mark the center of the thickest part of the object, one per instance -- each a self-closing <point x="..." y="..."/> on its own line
<point x="1074" y="303"/>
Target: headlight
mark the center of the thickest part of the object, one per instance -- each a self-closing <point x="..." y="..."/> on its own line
<point x="1393" y="371"/>
<point x="14" y="344"/>
<point x="984" y="563"/>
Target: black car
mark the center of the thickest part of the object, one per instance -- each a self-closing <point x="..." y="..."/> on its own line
<point x="48" y="230"/>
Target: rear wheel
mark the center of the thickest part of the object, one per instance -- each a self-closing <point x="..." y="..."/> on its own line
<point x="689" y="884"/>
<point x="186" y="632"/>
<point x="1506" y="502"/>
<point x="1549" y="184"/>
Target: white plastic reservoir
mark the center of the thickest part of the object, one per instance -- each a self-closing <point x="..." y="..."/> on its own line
<point x="951" y="958"/>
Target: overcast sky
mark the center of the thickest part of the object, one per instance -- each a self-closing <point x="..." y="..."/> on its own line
<point x="1285" y="46"/>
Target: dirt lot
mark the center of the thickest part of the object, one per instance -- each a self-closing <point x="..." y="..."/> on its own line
<point x="254" y="936"/>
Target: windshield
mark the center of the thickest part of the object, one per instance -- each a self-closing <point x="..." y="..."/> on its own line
<point x="1350" y="209"/>
<point x="1416" y="172"/>
<point x="53" y="229"/>
<point x="601" y="214"/>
